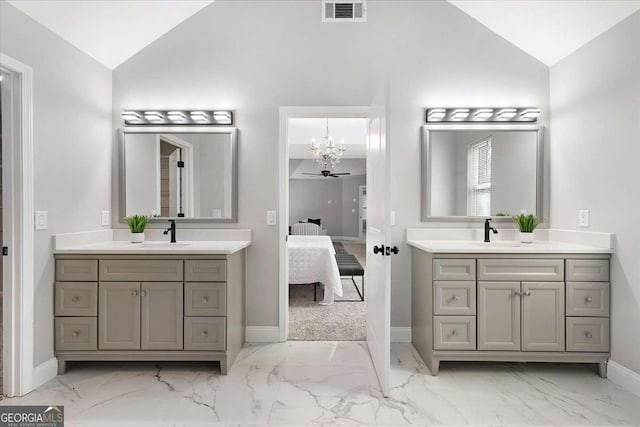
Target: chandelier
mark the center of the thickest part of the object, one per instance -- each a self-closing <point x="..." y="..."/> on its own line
<point x="327" y="154"/>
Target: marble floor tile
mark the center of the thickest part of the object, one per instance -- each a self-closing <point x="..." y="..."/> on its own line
<point x="333" y="383"/>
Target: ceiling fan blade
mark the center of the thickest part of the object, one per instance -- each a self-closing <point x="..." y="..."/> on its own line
<point x="345" y="173"/>
<point x="314" y="174"/>
<point x="334" y="176"/>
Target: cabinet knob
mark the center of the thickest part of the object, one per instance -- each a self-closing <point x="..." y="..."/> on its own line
<point x="454" y="332"/>
<point x="75" y="299"/>
<point x="134" y="293"/>
<point x="205" y="299"/>
<point x="517" y="293"/>
<point x="527" y="294"/>
<point x="588" y="334"/>
<point x="75" y="333"/>
<point x="143" y="293"/>
<point x="588" y="300"/>
<point x="204" y="333"/>
<point x="454" y="298"/>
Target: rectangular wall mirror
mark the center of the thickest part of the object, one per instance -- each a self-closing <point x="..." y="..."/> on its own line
<point x="475" y="171"/>
<point x="174" y="172"/>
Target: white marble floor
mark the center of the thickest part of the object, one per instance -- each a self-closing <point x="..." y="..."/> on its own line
<point x="301" y="383"/>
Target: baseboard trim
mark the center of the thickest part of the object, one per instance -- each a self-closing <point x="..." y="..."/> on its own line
<point x="624" y="377"/>
<point x="44" y="372"/>
<point x="401" y="334"/>
<point x="262" y="334"/>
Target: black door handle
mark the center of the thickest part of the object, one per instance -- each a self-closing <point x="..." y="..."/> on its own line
<point x="378" y="250"/>
<point x="394" y="250"/>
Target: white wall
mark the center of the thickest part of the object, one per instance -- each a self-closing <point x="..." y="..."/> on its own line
<point x="255" y="56"/>
<point x="309" y="198"/>
<point x="350" y="208"/>
<point x="72" y="130"/>
<point x="595" y="163"/>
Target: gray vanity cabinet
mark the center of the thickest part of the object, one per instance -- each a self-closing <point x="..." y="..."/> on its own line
<point x="510" y="307"/>
<point x="119" y="316"/>
<point x="150" y="308"/>
<point x="499" y="316"/>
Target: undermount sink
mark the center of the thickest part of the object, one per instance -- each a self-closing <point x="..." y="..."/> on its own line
<point x="500" y="244"/>
<point x="163" y="245"/>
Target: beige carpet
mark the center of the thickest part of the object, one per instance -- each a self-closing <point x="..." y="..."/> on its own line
<point x="342" y="321"/>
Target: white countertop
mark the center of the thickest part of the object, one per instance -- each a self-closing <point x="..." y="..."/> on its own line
<point x="205" y="247"/>
<point x="504" y="247"/>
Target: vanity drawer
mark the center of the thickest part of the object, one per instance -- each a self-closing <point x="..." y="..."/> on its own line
<point x="76" y="270"/>
<point x="76" y="299"/>
<point x="76" y="333"/>
<point x="526" y="270"/>
<point x="206" y="270"/>
<point x="205" y="299"/>
<point x="141" y="270"/>
<point x="588" y="299"/>
<point x="588" y="334"/>
<point x="454" y="298"/>
<point x="587" y="270"/>
<point x="454" y="269"/>
<point x="205" y="333"/>
<point x="454" y="332"/>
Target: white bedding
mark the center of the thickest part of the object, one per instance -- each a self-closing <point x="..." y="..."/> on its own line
<point x="312" y="259"/>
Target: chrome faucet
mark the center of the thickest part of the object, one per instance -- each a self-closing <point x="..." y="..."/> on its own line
<point x="172" y="229"/>
<point x="487" y="228"/>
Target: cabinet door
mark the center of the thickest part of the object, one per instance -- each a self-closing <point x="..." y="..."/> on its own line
<point x="499" y="316"/>
<point x="162" y="316"/>
<point x="542" y="316"/>
<point x="119" y="316"/>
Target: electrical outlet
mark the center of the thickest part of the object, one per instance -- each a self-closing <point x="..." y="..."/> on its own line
<point x="583" y="218"/>
<point x="271" y="217"/>
<point x="105" y="219"/>
<point x="42" y="222"/>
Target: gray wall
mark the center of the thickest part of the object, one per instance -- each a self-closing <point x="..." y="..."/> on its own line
<point x="350" y="209"/>
<point x="256" y="66"/>
<point x="309" y="198"/>
<point x="595" y="158"/>
<point x="72" y="131"/>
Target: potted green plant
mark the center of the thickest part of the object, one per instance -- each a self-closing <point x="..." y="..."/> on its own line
<point x="137" y="224"/>
<point x="526" y="225"/>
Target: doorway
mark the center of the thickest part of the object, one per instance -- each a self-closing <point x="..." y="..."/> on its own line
<point x="327" y="168"/>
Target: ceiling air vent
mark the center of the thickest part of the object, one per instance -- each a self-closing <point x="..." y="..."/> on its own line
<point x="344" y="11"/>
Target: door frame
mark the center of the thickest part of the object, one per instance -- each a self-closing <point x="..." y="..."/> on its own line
<point x="286" y="113"/>
<point x="18" y="235"/>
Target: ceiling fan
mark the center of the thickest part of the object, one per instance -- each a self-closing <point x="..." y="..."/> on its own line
<point x="327" y="173"/>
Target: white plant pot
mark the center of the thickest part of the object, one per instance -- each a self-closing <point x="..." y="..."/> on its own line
<point x="525" y="237"/>
<point x="137" y="237"/>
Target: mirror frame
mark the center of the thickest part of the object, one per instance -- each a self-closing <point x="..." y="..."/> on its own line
<point x="233" y="133"/>
<point x="425" y="189"/>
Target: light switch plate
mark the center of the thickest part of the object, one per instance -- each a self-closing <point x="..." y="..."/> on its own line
<point x="271" y="217"/>
<point x="42" y="221"/>
<point x="583" y="218"/>
<point x="105" y="219"/>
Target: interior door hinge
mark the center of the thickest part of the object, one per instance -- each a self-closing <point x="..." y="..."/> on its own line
<point x="5" y="251"/>
<point x="180" y="163"/>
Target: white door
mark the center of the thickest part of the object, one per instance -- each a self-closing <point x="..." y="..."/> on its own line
<point x="378" y="224"/>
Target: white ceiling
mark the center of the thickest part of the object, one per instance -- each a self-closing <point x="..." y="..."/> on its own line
<point x="110" y="31"/>
<point x="352" y="131"/>
<point x="548" y="30"/>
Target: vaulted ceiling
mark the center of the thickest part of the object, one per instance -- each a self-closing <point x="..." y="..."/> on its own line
<point x="548" y="30"/>
<point x="112" y="31"/>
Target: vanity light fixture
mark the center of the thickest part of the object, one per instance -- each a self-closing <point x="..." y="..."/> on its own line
<point x="437" y="114"/>
<point x="459" y="114"/>
<point x="199" y="116"/>
<point x="484" y="114"/>
<point x="178" y="117"/>
<point x="153" y="116"/>
<point x="131" y="116"/>
<point x="530" y="114"/>
<point x="506" y="114"/>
